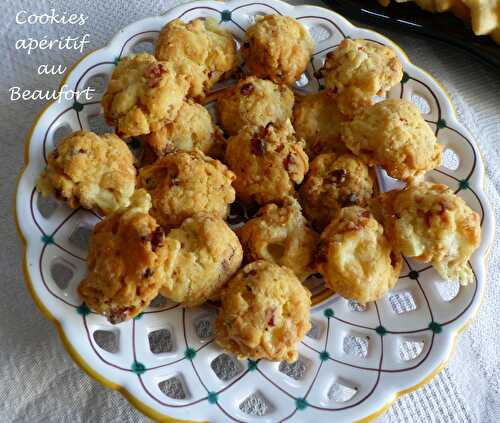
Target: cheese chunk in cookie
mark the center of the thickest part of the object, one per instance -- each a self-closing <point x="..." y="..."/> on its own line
<point x="193" y="128"/>
<point x="277" y="48"/>
<point x="355" y="257"/>
<point x="207" y="254"/>
<point x="268" y="162"/>
<point x="201" y="51"/>
<point x="280" y="234"/>
<point x="317" y="120"/>
<point x="184" y="183"/>
<point x="429" y="222"/>
<point x="128" y="261"/>
<point x="142" y="94"/>
<point x="254" y="101"/>
<point x="264" y="313"/>
<point x="394" y="135"/>
<point x="92" y="171"/>
<point x="335" y="181"/>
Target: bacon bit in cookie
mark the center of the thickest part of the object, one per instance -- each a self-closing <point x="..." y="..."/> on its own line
<point x="252" y="272"/>
<point x="118" y="315"/>
<point x="428" y="218"/>
<point x="246" y="89"/>
<point x="279" y="148"/>
<point x="154" y="74"/>
<point x="147" y="273"/>
<point x="270" y="316"/>
<point x="257" y="146"/>
<point x="337" y="176"/>
<point x="82" y="151"/>
<point x="366" y="214"/>
<point x="157" y="238"/>
<point x="288" y="160"/>
<point x="350" y="200"/>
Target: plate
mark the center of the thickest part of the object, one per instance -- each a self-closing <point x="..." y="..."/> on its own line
<point x="354" y="362"/>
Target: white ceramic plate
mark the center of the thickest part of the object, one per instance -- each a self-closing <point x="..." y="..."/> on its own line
<point x="354" y="362"/>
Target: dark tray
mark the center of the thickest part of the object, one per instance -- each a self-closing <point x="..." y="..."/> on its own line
<point x="409" y="17"/>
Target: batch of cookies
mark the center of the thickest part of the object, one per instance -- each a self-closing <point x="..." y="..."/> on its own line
<point x="306" y="160"/>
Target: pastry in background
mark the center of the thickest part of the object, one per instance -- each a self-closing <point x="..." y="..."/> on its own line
<point x="355" y="257"/>
<point x="268" y="162"/>
<point x="183" y="183"/>
<point x="264" y="313"/>
<point x="201" y="51"/>
<point x="256" y="102"/>
<point x="280" y="234"/>
<point x="142" y="95"/>
<point x="482" y="15"/>
<point x="128" y="261"/>
<point x="206" y="253"/>
<point x="277" y="48"/>
<point x="92" y="171"/>
<point x="394" y="135"/>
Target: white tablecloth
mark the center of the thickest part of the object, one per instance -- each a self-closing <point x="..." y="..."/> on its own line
<point x="38" y="380"/>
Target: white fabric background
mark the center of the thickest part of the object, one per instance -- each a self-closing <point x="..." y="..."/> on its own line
<point x="38" y="380"/>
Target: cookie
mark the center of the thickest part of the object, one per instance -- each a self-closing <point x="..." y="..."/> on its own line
<point x="192" y="129"/>
<point x="268" y="162"/>
<point x="335" y="181"/>
<point x="394" y="135"/>
<point x="355" y="257"/>
<point x="277" y="48"/>
<point x="92" y="171"/>
<point x="264" y="313"/>
<point x="207" y="254"/>
<point x="256" y="102"/>
<point x="142" y="95"/>
<point x="317" y="119"/>
<point x="429" y="222"/>
<point x="280" y="234"/>
<point x="128" y="261"/>
<point x="358" y="70"/>
<point x="183" y="183"/>
<point x="200" y="50"/>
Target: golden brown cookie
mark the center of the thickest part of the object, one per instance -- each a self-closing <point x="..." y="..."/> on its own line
<point x="200" y="50"/>
<point x="256" y="102"/>
<point x="355" y="257"/>
<point x="277" y="48"/>
<point x="393" y="134"/>
<point x="92" y="171"/>
<point x="142" y="94"/>
<point x="358" y="70"/>
<point x="430" y="223"/>
<point x="128" y="261"/>
<point x="335" y="181"/>
<point x="207" y="254"/>
<point x="280" y="234"/>
<point x="182" y="184"/>
<point x="192" y="129"/>
<point x="264" y="313"/>
<point x="268" y="162"/>
<point x="317" y="119"/>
